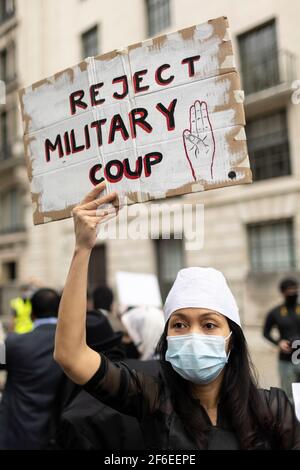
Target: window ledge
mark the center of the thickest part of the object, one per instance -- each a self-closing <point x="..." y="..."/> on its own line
<point x="268" y="100"/>
<point x="10" y="162"/>
<point x="249" y="192"/>
<point x="264" y="275"/>
<point x="13" y="236"/>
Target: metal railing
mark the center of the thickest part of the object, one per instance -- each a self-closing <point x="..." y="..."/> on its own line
<point x="277" y="68"/>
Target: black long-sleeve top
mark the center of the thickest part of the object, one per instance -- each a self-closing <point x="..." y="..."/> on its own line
<point x="149" y="400"/>
<point x="287" y="322"/>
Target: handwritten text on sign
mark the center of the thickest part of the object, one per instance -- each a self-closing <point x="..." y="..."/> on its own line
<point x="67" y="144"/>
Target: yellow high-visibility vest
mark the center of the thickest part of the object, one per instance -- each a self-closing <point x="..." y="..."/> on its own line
<point x="23" y="322"/>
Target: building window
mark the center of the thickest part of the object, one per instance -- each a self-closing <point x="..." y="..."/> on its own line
<point x="4" y="147"/>
<point x="97" y="268"/>
<point x="268" y="146"/>
<point x="8" y="131"/>
<point x="169" y="255"/>
<point x="90" y="43"/>
<point x="259" y="58"/>
<point x="8" y="63"/>
<point x="10" y="271"/>
<point x="3" y="64"/>
<point x="159" y="16"/>
<point x="12" y="214"/>
<point x="272" y="246"/>
<point x="7" y="9"/>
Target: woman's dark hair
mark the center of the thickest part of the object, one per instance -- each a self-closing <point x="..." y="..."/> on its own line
<point x="243" y="404"/>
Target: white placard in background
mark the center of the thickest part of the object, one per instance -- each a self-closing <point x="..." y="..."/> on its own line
<point x="135" y="289"/>
<point x="296" y="396"/>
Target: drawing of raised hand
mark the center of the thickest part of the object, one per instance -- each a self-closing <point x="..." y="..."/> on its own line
<point x="199" y="142"/>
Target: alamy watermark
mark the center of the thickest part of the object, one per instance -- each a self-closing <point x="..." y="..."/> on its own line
<point x="296" y="354"/>
<point x="295" y="98"/>
<point x="152" y="221"/>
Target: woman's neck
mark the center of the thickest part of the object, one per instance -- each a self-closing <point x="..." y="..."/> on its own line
<point x="208" y="394"/>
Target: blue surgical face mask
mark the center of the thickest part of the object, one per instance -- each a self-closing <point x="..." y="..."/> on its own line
<point x="197" y="358"/>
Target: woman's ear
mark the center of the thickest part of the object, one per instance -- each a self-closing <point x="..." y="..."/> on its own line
<point x="230" y="343"/>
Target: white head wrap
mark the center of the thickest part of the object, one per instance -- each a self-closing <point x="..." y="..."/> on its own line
<point x="202" y="288"/>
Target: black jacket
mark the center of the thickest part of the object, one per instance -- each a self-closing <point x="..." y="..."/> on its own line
<point x="33" y="379"/>
<point x="87" y="424"/>
<point x="287" y="322"/>
<point x="149" y="399"/>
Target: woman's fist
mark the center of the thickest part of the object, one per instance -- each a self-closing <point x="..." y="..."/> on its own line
<point x="88" y="214"/>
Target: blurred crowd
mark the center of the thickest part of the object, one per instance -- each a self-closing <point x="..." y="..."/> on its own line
<point x="41" y="408"/>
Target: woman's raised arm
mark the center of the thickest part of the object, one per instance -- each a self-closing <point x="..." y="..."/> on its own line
<point x="78" y="360"/>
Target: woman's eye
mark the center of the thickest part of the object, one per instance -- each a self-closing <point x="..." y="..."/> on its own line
<point x="210" y="326"/>
<point x="178" y="325"/>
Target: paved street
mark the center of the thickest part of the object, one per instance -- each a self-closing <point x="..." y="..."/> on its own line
<point x="264" y="357"/>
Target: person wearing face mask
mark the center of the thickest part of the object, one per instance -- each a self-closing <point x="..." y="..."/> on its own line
<point x="286" y="319"/>
<point x="205" y="396"/>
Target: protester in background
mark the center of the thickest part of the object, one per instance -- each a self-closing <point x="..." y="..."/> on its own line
<point x="130" y="349"/>
<point x="145" y="326"/>
<point x="21" y="311"/>
<point x="206" y="396"/>
<point x="21" y="321"/>
<point x="87" y="424"/>
<point x="33" y="379"/>
<point x="103" y="300"/>
<point x="286" y="319"/>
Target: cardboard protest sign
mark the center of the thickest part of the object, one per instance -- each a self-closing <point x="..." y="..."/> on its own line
<point x="136" y="289"/>
<point x="159" y="118"/>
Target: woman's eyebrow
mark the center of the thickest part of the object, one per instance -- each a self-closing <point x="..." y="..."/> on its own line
<point x="179" y="315"/>
<point x="210" y="315"/>
<point x="204" y="316"/>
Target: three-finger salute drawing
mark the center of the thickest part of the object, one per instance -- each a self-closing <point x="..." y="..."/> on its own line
<point x="199" y="142"/>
